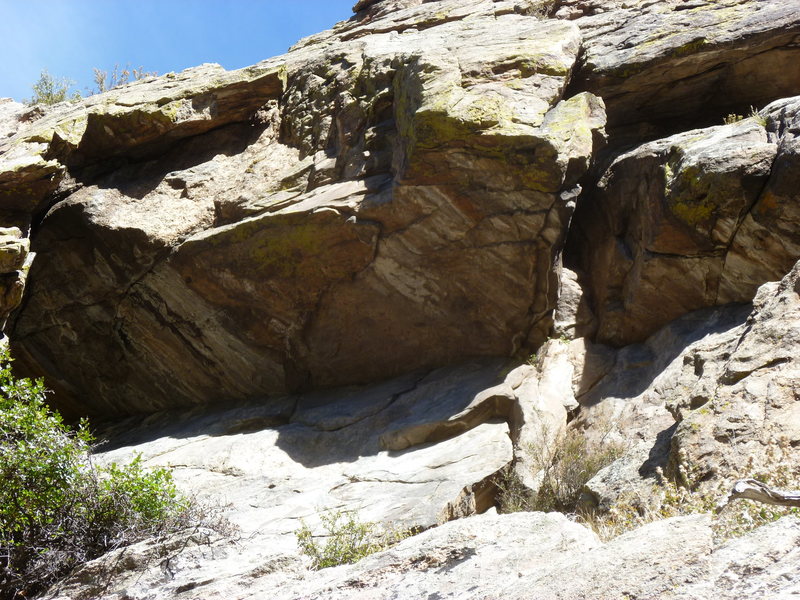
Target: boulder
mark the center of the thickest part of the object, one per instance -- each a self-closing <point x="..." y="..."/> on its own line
<point x="697" y="219"/>
<point x="346" y="213"/>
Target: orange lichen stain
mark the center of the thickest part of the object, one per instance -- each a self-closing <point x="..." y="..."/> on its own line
<point x="769" y="204"/>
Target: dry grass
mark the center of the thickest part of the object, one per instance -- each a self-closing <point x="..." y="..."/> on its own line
<point x="564" y="471"/>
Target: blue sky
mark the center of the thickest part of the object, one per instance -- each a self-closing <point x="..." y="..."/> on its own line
<point x="71" y="37"/>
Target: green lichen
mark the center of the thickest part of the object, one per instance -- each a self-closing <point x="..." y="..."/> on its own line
<point x="689" y="195"/>
<point x="692" y="47"/>
<point x="440" y="122"/>
<point x="484" y="112"/>
<point x="668" y="177"/>
<point x="172" y="109"/>
<point x="71" y="131"/>
<point x="541" y="64"/>
<point x="693" y="214"/>
<point x="280" y="252"/>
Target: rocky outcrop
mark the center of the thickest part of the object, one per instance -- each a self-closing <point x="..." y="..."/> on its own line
<point x="356" y="249"/>
<point x="739" y="414"/>
<point x="671" y="65"/>
<point x="486" y="556"/>
<point x="393" y="194"/>
<point x="364" y="206"/>
<point x="404" y="453"/>
<point x="10" y="116"/>
<point x="281" y="463"/>
<point x="270" y="468"/>
<point x="709" y="399"/>
<point x="14" y="260"/>
<point x="698" y="219"/>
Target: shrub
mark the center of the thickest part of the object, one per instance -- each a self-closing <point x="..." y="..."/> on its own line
<point x="564" y="470"/>
<point x="684" y="496"/>
<point x="754" y="115"/>
<point x="105" y="81"/>
<point x="732" y="118"/>
<point x="49" y="90"/>
<point x="348" y="540"/>
<point x="57" y="508"/>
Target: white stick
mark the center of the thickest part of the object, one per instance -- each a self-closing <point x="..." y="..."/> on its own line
<point x="750" y="489"/>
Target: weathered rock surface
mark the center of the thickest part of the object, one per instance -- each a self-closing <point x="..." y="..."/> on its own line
<point x="404" y="452"/>
<point x="391" y="202"/>
<point x="14" y="257"/>
<point x="10" y="115"/>
<point x="548" y="557"/>
<point x="275" y="466"/>
<point x="391" y="196"/>
<point x="573" y="316"/>
<point x="487" y="556"/>
<point x="739" y="414"/>
<point x="670" y="65"/>
<point x="298" y="456"/>
<point x="711" y="397"/>
<point x="770" y="552"/>
<point x="697" y="219"/>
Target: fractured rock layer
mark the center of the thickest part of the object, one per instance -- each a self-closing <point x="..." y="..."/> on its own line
<point x="396" y="202"/>
<point x="698" y="219"/>
<point x="393" y="194"/>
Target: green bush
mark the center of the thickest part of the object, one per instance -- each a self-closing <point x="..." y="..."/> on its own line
<point x="57" y="508"/>
<point x="50" y="90"/>
<point x="348" y="540"/>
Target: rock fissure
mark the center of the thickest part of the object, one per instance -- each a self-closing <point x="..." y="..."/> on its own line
<point x="757" y="199"/>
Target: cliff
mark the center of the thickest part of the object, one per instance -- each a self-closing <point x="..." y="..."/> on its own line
<point x="386" y="269"/>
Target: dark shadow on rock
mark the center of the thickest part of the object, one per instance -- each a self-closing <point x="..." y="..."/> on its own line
<point x="324" y="426"/>
<point x="352" y="426"/>
<point x="136" y="175"/>
<point x="637" y="365"/>
<point x="214" y="420"/>
<point x="659" y="453"/>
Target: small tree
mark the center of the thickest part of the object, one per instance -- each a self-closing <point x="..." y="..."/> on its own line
<point x="51" y="90"/>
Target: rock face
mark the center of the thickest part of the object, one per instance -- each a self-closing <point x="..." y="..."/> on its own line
<point x="13" y="265"/>
<point x="489" y="556"/>
<point x="394" y="194"/>
<point x="333" y="281"/>
<point x="698" y="219"/>
<point x="711" y="397"/>
<point x="740" y="415"/>
<point x="662" y="65"/>
<point x="363" y="207"/>
<point x="404" y="452"/>
<point x="286" y="462"/>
